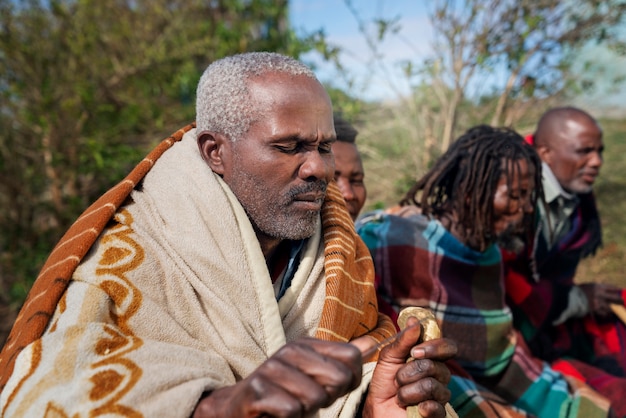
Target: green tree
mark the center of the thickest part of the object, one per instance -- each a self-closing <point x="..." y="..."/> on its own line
<point x="86" y="86"/>
<point x="522" y="50"/>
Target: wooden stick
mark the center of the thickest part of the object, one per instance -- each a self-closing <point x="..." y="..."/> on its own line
<point x="620" y="311"/>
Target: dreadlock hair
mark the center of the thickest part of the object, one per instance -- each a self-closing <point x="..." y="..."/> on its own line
<point x="464" y="180"/>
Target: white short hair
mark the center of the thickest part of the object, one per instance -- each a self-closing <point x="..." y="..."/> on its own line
<point x="223" y="103"/>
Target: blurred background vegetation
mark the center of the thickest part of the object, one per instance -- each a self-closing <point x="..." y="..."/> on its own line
<point x="87" y="87"/>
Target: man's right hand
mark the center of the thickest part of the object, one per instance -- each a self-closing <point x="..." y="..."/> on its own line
<point x="302" y="377"/>
<point x="423" y="381"/>
<point x="601" y="296"/>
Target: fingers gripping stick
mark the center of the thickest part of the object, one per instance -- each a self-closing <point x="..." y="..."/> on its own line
<point x="430" y="330"/>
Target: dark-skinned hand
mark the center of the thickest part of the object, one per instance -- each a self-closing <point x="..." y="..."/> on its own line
<point x="302" y="377"/>
<point x="600" y="297"/>
<point x="397" y="384"/>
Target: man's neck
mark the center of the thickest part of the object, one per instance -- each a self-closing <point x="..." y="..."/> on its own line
<point x="278" y="261"/>
<point x="551" y="186"/>
<point x="269" y="245"/>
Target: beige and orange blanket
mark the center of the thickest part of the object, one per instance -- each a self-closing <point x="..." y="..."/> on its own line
<point x="160" y="292"/>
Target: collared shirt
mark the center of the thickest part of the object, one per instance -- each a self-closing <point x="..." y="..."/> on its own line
<point x="555" y="224"/>
<point x="284" y="280"/>
<point x="555" y="219"/>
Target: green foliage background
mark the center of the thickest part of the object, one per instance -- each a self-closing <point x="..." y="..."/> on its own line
<point x="87" y="87"/>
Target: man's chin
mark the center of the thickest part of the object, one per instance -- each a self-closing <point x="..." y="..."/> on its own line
<point x="511" y="241"/>
<point x="302" y="228"/>
<point x="581" y="186"/>
<point x="584" y="188"/>
<point x="513" y="245"/>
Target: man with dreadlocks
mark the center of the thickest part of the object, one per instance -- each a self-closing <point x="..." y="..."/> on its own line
<point x="440" y="249"/>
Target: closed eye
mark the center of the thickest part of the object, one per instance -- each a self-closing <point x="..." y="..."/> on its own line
<point x="296" y="145"/>
<point x="521" y="194"/>
<point x="326" y="147"/>
<point x="356" y="180"/>
<point x="291" y="149"/>
<point x="589" y="150"/>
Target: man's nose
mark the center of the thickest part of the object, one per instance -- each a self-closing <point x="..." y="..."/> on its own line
<point x="528" y="206"/>
<point x="345" y="187"/>
<point x="316" y="166"/>
<point x="595" y="159"/>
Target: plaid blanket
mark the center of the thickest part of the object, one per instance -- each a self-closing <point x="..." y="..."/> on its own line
<point x="542" y="276"/>
<point x="418" y="262"/>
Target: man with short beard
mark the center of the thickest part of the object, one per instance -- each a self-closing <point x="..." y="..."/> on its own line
<point x="222" y="278"/>
<point x="438" y="249"/>
<point x="558" y="317"/>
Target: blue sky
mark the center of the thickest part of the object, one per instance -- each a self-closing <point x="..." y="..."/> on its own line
<point x="341" y="28"/>
<point x="412" y="43"/>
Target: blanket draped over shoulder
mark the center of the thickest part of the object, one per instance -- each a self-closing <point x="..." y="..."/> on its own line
<point x="542" y="276"/>
<point x="160" y="292"/>
<point x="419" y="263"/>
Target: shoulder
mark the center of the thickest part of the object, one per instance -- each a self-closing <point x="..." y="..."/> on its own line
<point x="391" y="227"/>
<point x="394" y="215"/>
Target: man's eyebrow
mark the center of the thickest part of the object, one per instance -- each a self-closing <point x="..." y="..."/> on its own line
<point x="299" y="138"/>
<point x="589" y="148"/>
<point x="289" y="138"/>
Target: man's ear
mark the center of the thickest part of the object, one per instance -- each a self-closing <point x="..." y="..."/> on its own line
<point x="544" y="153"/>
<point x="212" y="147"/>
